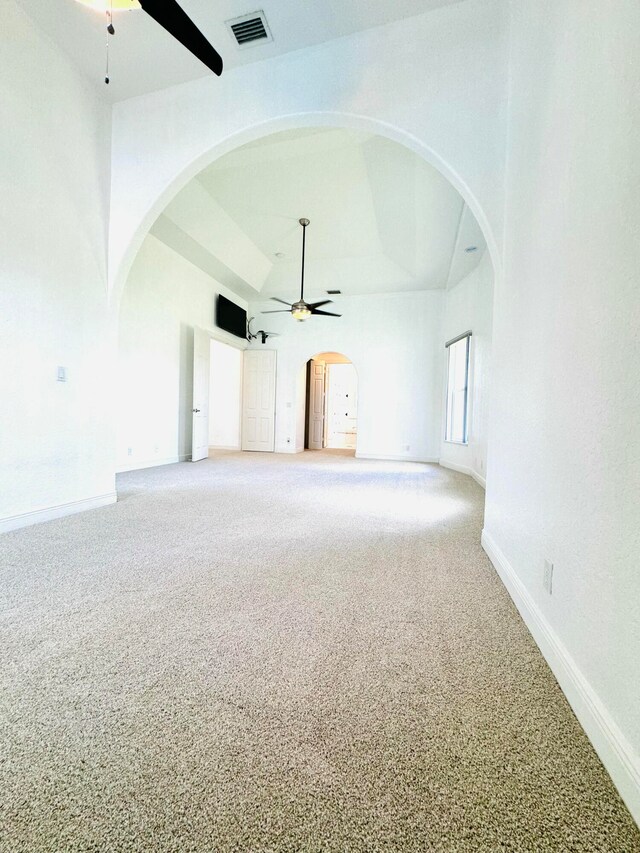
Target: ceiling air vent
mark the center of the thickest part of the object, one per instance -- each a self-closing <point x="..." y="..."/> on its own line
<point x="249" y="29"/>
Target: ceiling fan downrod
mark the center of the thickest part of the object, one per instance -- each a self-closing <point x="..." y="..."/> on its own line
<point x="300" y="310"/>
<point x="304" y="223"/>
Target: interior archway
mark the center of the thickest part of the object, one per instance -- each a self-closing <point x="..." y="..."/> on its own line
<point x="389" y="235"/>
<point x="128" y="234"/>
<point x="330" y="403"/>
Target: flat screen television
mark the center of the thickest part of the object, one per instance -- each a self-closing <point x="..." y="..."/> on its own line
<point x="231" y="317"/>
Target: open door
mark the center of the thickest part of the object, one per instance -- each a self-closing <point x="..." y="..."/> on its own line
<point x="259" y="400"/>
<point x="316" y="404"/>
<point x="200" y="423"/>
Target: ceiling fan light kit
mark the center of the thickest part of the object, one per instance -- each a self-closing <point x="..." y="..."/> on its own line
<point x="107" y="5"/>
<point x="302" y="310"/>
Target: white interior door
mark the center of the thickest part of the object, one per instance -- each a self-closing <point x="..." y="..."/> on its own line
<point x="342" y="405"/>
<point x="316" y="405"/>
<point x="259" y="400"/>
<point x="200" y="422"/>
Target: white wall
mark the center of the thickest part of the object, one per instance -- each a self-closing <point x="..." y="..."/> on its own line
<point x="564" y="466"/>
<point x="469" y="306"/>
<point x="394" y="341"/>
<point x="436" y="82"/>
<point x="225" y="396"/>
<point x="56" y="439"/>
<point x="165" y="298"/>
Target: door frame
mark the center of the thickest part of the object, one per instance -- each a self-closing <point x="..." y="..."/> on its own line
<point x="303" y="403"/>
<point x="310" y="398"/>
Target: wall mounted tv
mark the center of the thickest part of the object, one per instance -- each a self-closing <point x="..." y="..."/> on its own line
<point x="231" y="317"/>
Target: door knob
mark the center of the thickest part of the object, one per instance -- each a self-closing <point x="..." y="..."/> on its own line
<point x="195" y="410"/>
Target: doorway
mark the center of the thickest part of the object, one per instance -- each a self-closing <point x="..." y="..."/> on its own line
<point x="331" y="412"/>
<point x="216" y="395"/>
<point x="225" y="396"/>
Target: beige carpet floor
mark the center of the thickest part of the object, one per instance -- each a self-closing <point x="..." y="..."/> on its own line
<point x="283" y="653"/>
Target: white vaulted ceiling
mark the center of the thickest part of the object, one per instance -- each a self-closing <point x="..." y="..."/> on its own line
<point x="145" y="58"/>
<point x="382" y="219"/>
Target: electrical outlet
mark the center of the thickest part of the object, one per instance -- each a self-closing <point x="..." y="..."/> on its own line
<point x="407" y="447"/>
<point x="129" y="451"/>
<point x="547" y="578"/>
<point x="61" y="375"/>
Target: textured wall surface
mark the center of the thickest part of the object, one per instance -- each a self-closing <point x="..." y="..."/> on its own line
<point x="55" y="437"/>
<point x="564" y="466"/>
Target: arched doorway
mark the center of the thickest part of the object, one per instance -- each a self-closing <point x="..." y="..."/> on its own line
<point x="394" y="277"/>
<point x="129" y="231"/>
<point x="331" y="407"/>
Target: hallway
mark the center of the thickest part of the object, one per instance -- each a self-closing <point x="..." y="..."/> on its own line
<point x="285" y="653"/>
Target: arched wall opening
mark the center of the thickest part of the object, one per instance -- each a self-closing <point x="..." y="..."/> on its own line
<point x="127" y="236"/>
<point x="330" y="403"/>
<point x="396" y="338"/>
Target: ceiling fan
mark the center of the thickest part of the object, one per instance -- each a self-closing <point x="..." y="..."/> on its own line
<point x="175" y="21"/>
<point x="300" y="310"/>
<point x="172" y="17"/>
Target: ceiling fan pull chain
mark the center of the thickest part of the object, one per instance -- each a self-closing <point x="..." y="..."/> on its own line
<point x="110" y="32"/>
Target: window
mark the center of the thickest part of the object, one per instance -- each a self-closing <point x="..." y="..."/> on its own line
<point x="456" y="429"/>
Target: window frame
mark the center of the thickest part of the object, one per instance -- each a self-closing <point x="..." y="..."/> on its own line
<point x="465" y="336"/>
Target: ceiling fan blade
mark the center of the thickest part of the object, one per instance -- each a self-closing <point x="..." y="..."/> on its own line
<point x="275" y="299"/>
<point x="318" y="304"/>
<point x="175" y="20"/>
<point x="278" y="311"/>
<point x="324" y="313"/>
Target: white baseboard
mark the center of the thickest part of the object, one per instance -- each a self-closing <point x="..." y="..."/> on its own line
<point x="384" y="457"/>
<point x="463" y="469"/>
<point x="479" y="480"/>
<point x="453" y="466"/>
<point x="620" y="760"/>
<point x="224" y="447"/>
<point x="154" y="463"/>
<point x="49" y="513"/>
